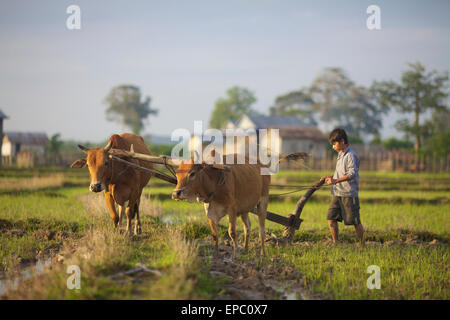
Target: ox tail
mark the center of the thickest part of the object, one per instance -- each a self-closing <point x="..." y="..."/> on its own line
<point x="295" y="156"/>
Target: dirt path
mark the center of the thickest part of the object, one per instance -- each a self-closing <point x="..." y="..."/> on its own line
<point x="251" y="279"/>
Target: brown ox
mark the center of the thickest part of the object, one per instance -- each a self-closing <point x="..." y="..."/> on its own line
<point x="122" y="184"/>
<point x="234" y="190"/>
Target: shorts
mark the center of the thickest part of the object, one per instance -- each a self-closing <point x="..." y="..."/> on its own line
<point x="344" y="208"/>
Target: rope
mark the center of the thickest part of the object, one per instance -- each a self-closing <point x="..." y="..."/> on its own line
<point x="294" y="191"/>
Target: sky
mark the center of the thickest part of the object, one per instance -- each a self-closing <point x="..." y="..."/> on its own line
<point x="186" y="54"/>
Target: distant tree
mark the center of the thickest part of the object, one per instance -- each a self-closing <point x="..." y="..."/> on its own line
<point x="418" y="92"/>
<point x="376" y="140"/>
<point x="295" y="103"/>
<point x="397" y="144"/>
<point x="339" y="102"/>
<point x="126" y="107"/>
<point x="237" y="103"/>
<point x="55" y="144"/>
<point x="54" y="147"/>
<point x="437" y="133"/>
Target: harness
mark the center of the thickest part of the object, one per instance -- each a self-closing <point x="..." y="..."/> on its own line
<point x="113" y="179"/>
<point x="220" y="182"/>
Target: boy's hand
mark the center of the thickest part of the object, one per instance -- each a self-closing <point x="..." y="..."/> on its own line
<point x="329" y="180"/>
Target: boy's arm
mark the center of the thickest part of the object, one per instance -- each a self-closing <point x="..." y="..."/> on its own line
<point x="330" y="180"/>
<point x="327" y="177"/>
<point x="351" y="172"/>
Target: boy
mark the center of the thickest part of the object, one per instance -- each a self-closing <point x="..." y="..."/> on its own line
<point x="345" y="203"/>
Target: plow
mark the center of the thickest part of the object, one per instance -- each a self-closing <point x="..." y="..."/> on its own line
<point x="291" y="223"/>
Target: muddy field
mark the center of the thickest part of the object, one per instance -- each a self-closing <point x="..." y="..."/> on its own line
<point x="50" y="222"/>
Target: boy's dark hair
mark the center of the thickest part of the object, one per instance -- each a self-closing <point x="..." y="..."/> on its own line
<point x="338" y="134"/>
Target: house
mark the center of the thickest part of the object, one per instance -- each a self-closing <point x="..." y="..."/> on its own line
<point x="2" y="116"/>
<point x="294" y="134"/>
<point x="17" y="142"/>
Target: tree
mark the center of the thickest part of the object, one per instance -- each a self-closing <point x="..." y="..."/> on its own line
<point x="396" y="144"/>
<point x="126" y="107"/>
<point x="295" y="103"/>
<point x="237" y="103"/>
<point x="437" y="135"/>
<point x="54" y="147"/>
<point x="418" y="92"/>
<point x="339" y="102"/>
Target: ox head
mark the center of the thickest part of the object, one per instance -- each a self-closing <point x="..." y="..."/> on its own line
<point x="198" y="181"/>
<point x="99" y="166"/>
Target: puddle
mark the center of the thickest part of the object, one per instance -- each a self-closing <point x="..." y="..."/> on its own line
<point x="172" y="219"/>
<point x="288" y="290"/>
<point x="26" y="273"/>
<point x="169" y="219"/>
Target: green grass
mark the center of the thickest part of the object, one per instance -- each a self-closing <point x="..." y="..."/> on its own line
<point x="341" y="272"/>
<point x="394" y="207"/>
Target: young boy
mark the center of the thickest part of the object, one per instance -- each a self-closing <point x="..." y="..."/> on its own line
<point x="345" y="203"/>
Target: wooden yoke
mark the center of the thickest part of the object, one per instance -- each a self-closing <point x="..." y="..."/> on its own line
<point x="145" y="157"/>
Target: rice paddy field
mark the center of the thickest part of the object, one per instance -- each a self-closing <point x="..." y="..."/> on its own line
<point x="50" y="221"/>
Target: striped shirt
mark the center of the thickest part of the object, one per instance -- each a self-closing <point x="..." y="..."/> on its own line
<point x="347" y="163"/>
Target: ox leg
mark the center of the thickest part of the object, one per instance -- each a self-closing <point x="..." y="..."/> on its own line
<point x="121" y="214"/>
<point x="137" y="221"/>
<point x="262" y="212"/>
<point x="215" y="235"/>
<point x="232" y="234"/>
<point x="247" y="229"/>
<point x="112" y="208"/>
<point x="130" y="215"/>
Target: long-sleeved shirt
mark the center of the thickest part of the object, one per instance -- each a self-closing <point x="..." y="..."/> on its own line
<point x="347" y="163"/>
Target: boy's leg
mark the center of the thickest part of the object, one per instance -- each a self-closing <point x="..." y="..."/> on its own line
<point x="334" y="229"/>
<point x="359" y="232"/>
<point x="333" y="216"/>
<point x="351" y="216"/>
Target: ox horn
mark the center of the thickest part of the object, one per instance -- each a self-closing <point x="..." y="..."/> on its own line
<point x="196" y="156"/>
<point x="221" y="167"/>
<point x="108" y="146"/>
<point x="83" y="148"/>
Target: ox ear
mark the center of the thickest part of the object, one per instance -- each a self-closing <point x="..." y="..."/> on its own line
<point x="80" y="163"/>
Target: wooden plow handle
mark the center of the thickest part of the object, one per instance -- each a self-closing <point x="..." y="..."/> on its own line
<point x="295" y="216"/>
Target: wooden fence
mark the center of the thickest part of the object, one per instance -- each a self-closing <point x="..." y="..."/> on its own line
<point x="380" y="161"/>
<point x="369" y="161"/>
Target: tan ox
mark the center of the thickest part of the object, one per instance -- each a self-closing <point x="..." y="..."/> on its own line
<point x="233" y="189"/>
<point x="121" y="183"/>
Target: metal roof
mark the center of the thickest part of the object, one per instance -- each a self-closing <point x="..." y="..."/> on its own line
<point x="263" y="122"/>
<point x="2" y="115"/>
<point x="30" y="138"/>
<point x="310" y="132"/>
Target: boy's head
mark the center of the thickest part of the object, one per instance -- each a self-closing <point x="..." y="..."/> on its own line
<point x="338" y="139"/>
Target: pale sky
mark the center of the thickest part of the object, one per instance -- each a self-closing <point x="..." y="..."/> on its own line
<point x="186" y="54"/>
